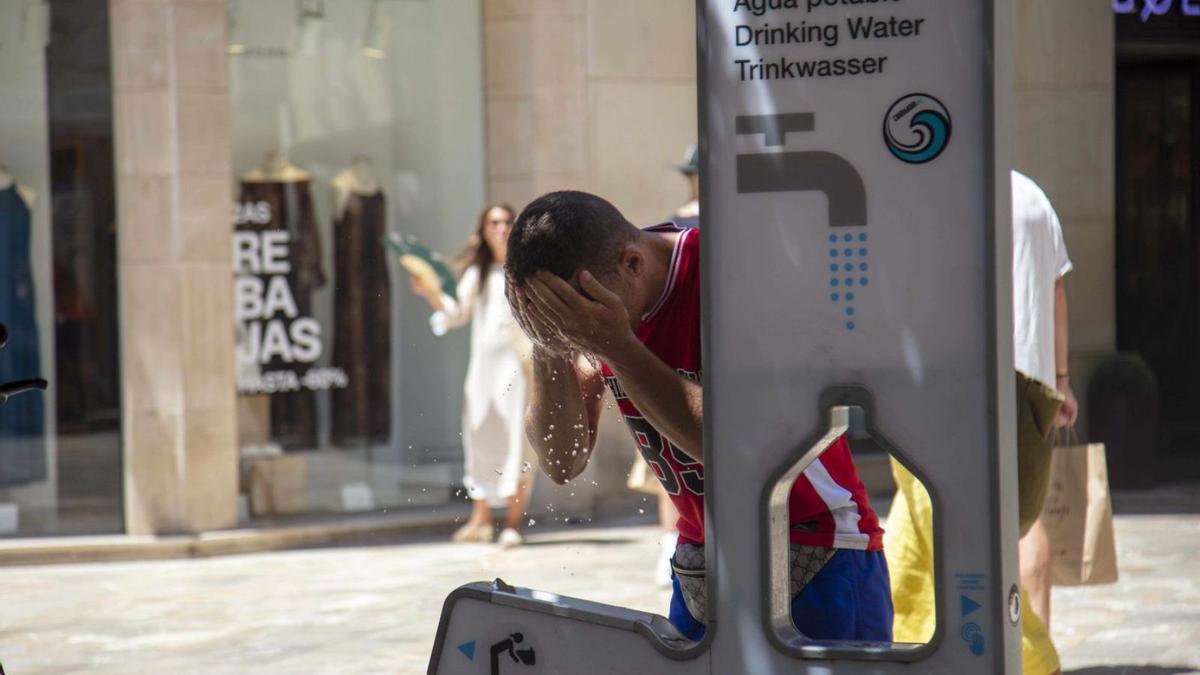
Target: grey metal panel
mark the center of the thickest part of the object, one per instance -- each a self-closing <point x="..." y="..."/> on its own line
<point x="1003" y="453"/>
<point x="920" y="335"/>
<point x="567" y="635"/>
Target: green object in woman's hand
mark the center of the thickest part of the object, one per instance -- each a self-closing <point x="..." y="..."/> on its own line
<point x="423" y="263"/>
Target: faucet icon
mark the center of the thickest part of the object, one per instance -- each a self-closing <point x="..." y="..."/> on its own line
<point x="809" y="170"/>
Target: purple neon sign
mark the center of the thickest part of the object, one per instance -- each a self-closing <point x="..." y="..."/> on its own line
<point x="1155" y="7"/>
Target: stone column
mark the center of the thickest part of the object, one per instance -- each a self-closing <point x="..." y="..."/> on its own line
<point x="597" y="95"/>
<point x="171" y="110"/>
<point x="641" y="102"/>
<point x="1064" y="128"/>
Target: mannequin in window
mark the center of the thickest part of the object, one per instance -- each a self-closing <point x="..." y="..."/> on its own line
<point x="22" y="419"/>
<point x="361" y="308"/>
<point x="287" y="191"/>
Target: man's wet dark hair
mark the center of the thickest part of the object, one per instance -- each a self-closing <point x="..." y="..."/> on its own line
<point x="562" y="232"/>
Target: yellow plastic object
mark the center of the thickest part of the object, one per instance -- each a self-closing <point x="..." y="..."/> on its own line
<point x="908" y="546"/>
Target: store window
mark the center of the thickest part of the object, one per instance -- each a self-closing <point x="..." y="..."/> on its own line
<point x="352" y="121"/>
<point x="60" y="452"/>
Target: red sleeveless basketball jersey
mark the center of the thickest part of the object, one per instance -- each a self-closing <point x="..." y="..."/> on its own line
<point x="828" y="505"/>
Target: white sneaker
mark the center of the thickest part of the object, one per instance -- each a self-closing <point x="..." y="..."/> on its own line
<point x="510" y="538"/>
<point x="666" y="550"/>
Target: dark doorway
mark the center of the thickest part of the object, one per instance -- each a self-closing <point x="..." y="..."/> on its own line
<point x="1158" y="229"/>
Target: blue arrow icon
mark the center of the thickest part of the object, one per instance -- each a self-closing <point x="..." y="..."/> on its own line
<point x="969" y="605"/>
<point x="468" y="649"/>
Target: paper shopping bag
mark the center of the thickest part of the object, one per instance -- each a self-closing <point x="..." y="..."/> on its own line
<point x="1078" y="517"/>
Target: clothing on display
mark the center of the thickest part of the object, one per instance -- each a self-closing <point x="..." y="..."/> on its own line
<point x="361" y="312"/>
<point x="84" y="292"/>
<point x="22" y="418"/>
<point x="286" y="192"/>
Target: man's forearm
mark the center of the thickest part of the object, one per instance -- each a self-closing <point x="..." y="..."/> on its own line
<point x="556" y="422"/>
<point x="673" y="404"/>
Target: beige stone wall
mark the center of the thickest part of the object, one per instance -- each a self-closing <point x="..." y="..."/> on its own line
<point x="171" y="108"/>
<point x="1064" y="131"/>
<point x="598" y="95"/>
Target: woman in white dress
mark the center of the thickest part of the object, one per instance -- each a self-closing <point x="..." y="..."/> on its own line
<point x="496" y="389"/>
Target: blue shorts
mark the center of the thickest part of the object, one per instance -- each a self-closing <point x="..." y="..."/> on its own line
<point x="849" y="599"/>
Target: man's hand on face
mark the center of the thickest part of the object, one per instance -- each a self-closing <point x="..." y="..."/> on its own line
<point x="598" y="324"/>
<point x="544" y="336"/>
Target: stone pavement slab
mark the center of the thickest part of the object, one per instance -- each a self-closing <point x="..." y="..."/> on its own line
<point x="1152" y="615"/>
<point x="374" y="609"/>
<point x="341" y="610"/>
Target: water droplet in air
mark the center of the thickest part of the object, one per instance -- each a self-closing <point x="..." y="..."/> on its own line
<point x="641" y="510"/>
<point x="499" y="472"/>
<point x="532" y="522"/>
<point x="526" y="467"/>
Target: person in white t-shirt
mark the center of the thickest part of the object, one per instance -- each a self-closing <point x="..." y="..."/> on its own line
<point x="1040" y="262"/>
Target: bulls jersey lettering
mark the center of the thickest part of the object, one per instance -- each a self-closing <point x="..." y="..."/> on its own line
<point x="828" y="504"/>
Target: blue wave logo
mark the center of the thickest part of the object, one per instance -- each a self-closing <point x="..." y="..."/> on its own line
<point x="917" y="128"/>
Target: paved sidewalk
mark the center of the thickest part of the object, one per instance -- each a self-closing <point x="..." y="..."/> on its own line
<point x="374" y="609"/>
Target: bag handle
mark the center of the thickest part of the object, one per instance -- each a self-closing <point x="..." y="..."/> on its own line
<point x="1064" y="436"/>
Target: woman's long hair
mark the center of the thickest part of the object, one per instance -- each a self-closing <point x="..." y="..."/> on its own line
<point x="477" y="252"/>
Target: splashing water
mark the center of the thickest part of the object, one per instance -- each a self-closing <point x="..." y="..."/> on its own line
<point x="591" y="360"/>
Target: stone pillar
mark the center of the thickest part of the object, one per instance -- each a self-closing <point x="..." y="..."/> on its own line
<point x="590" y="94"/>
<point x="1064" y="127"/>
<point x="171" y="110"/>
<point x="641" y="102"/>
<point x="596" y="95"/>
